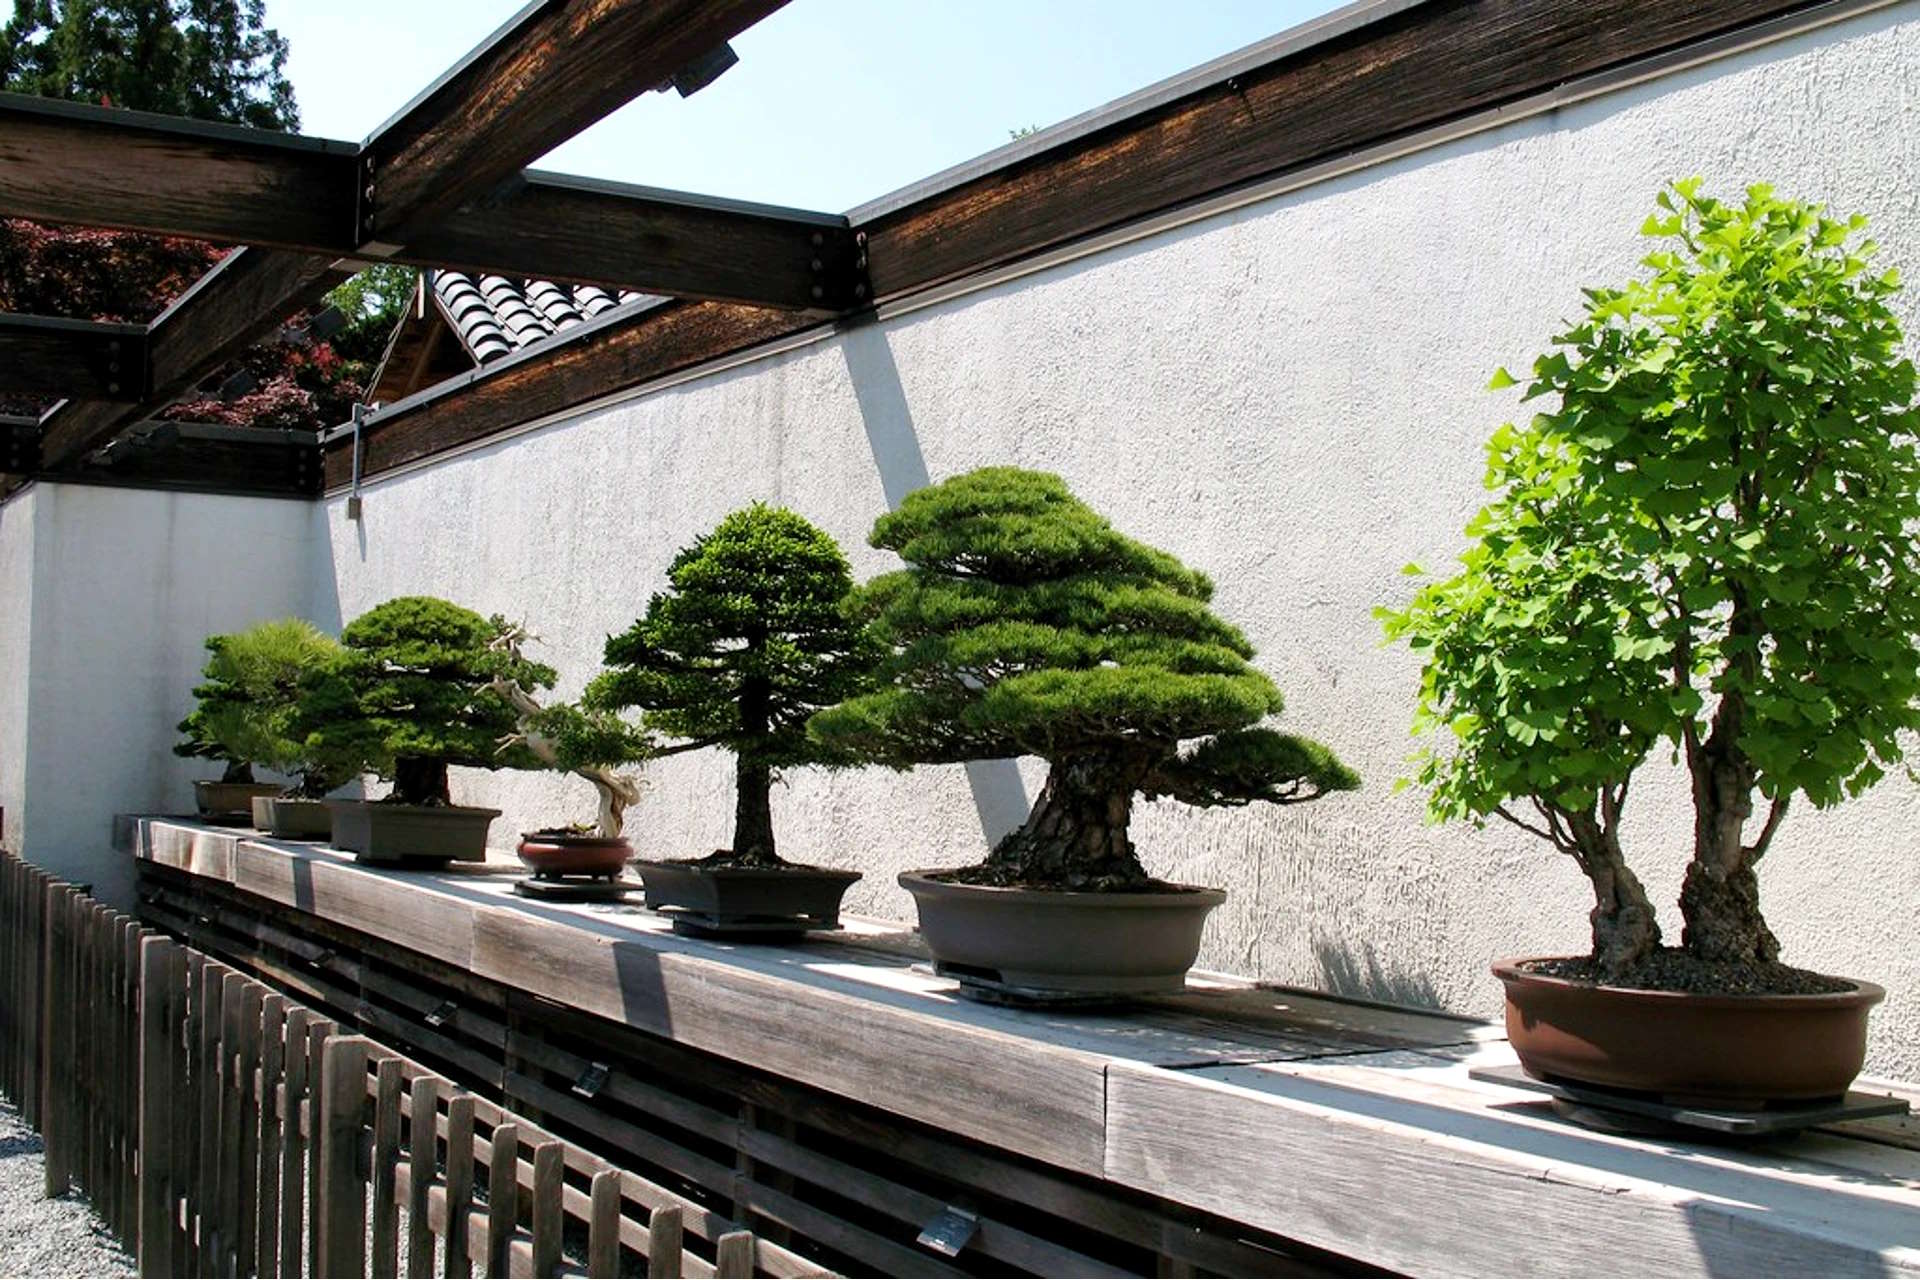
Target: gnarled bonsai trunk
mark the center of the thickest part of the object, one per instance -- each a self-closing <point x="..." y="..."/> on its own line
<point x="753" y="813"/>
<point x="420" y="780"/>
<point x="1076" y="836"/>
<point x="237" y="771"/>
<point x="1625" y="928"/>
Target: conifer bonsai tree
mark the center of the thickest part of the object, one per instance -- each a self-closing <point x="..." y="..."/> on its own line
<point x="1704" y="540"/>
<point x="411" y="693"/>
<point x="251" y="697"/>
<point x="216" y="728"/>
<point x="743" y="647"/>
<point x="1025" y="624"/>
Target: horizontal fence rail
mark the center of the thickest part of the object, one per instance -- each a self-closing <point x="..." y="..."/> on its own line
<point x="221" y="1129"/>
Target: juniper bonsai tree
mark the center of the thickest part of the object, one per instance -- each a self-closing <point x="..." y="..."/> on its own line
<point x="251" y="697"/>
<point x="410" y="693"/>
<point x="1706" y="538"/>
<point x="746" y="644"/>
<point x="1025" y="624"/>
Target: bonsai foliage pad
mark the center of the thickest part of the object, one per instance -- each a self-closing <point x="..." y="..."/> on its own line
<point x="1623" y="1111"/>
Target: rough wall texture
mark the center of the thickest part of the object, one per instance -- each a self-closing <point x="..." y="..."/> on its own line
<point x="1288" y="397"/>
<point x="16" y="628"/>
<point x="127" y="585"/>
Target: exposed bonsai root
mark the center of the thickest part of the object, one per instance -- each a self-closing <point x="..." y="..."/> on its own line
<point x="1076" y="837"/>
<point x="1722" y="914"/>
<point x="1674" y="969"/>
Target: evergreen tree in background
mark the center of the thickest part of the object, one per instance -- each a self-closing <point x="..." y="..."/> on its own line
<point x="207" y="60"/>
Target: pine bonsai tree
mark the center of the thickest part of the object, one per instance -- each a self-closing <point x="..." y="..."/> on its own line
<point x="217" y="727"/>
<point x="1707" y="539"/>
<point x="1025" y="624"/>
<point x="410" y="694"/>
<point x="250" y="698"/>
<point x="747" y="643"/>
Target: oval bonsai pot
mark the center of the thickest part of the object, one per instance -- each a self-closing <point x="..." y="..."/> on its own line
<point x="1042" y="943"/>
<point x="549" y="854"/>
<point x="1736" y="1051"/>
<point x="707" y="898"/>
<point x="379" y="831"/>
<point x="292" y="818"/>
<point x="231" y="800"/>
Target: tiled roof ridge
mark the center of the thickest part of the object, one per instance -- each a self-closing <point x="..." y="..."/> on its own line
<point x="495" y="316"/>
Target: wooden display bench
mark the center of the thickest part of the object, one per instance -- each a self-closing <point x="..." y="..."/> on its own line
<point x="1345" y="1126"/>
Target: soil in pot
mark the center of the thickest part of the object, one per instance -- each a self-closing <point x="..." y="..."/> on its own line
<point x="559" y="854"/>
<point x="724" y="896"/>
<point x="1047" y="945"/>
<point x="1692" y="1034"/>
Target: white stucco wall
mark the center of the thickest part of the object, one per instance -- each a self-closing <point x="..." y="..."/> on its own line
<point x="1289" y="397"/>
<point x="16" y="626"/>
<point x="127" y="585"/>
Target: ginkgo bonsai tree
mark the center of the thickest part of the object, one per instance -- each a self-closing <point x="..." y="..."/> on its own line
<point x="411" y="694"/>
<point x="1705" y="539"/>
<point x="1025" y="625"/>
<point x="747" y="642"/>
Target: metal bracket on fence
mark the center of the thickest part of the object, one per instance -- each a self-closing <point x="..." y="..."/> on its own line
<point x="592" y="1080"/>
<point x="948" y="1231"/>
<point x="441" y="1014"/>
<point x="322" y="959"/>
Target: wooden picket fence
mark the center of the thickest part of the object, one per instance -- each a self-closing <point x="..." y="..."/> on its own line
<point x="221" y="1129"/>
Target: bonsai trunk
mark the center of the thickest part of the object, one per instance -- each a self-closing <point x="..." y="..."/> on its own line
<point x="1076" y="836"/>
<point x="753" y="778"/>
<point x="1625" y="928"/>
<point x="237" y="771"/>
<point x="420" y="780"/>
<point x="1720" y="898"/>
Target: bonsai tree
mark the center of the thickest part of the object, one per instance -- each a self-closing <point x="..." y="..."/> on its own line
<point x="411" y="692"/>
<point x="585" y="742"/>
<point x="248" y="704"/>
<point x="1025" y="624"/>
<point x="744" y="646"/>
<point x="215" y="729"/>
<point x="1705" y="538"/>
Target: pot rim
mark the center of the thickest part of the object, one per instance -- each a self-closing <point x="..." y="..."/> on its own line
<point x="691" y="867"/>
<point x="1191" y="894"/>
<point x="1863" y="994"/>
<point x="390" y="807"/>
<point x="572" y="840"/>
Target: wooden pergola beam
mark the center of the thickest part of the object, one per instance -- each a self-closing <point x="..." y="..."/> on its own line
<point x="548" y="73"/>
<point x="49" y="357"/>
<point x="1405" y="69"/>
<point x="62" y="162"/>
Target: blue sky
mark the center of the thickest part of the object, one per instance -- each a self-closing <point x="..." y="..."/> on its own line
<point x="834" y="102"/>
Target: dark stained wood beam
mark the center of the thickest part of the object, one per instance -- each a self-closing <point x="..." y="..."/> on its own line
<point x="1412" y="70"/>
<point x="549" y="73"/>
<point x="101" y="167"/>
<point x="48" y="357"/>
<point x="243" y="298"/>
<point x="61" y="162"/>
<point x="1404" y="72"/>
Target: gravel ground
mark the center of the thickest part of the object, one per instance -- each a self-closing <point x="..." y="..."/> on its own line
<point x="42" y="1237"/>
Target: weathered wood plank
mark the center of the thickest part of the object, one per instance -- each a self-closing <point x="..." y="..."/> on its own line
<point x="385" y="1208"/>
<point x="459" y="1191"/>
<point x="663" y="1243"/>
<point x="548" y="1170"/>
<point x="733" y="1256"/>
<point x="319" y="1035"/>
<point x="432" y="923"/>
<point x="503" y="1198"/>
<point x="603" y="1227"/>
<point x="159" y="1094"/>
<point x="293" y="1143"/>
<point x="246" y="1060"/>
<point x="48" y="357"/>
<point x="423" y="1165"/>
<point x="1469" y="1194"/>
<point x="339" y="1194"/>
<point x="273" y="1071"/>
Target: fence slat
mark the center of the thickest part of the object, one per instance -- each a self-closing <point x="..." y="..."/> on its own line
<point x="157" y="1097"/>
<point x="503" y="1199"/>
<point x="423" y="1127"/>
<point x="386" y="1154"/>
<point x="226" y="1203"/>
<point x="180" y="1147"/>
<point x="273" y="1070"/>
<point x="459" y="1184"/>
<point x="733" y="1256"/>
<point x="340" y="1197"/>
<point x="293" y="1145"/>
<point x="663" y="1242"/>
<point x="55" y="1035"/>
<point x="549" y="1173"/>
<point x="603" y="1227"/>
<point x="320" y="1033"/>
<point x="247" y="1068"/>
<point x="132" y="938"/>
<point x="206" y="1182"/>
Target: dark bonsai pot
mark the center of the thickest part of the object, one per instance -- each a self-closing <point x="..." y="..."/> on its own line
<point x="1737" y="1051"/>
<point x="378" y="831"/>
<point x="292" y="818"/>
<point x="1041" y="943"/>
<point x="712" y="898"/>
<point x="230" y="801"/>
<point x="551" y="854"/>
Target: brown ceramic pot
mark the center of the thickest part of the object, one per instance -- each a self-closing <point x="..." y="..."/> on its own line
<point x="231" y="801"/>
<point x="722" y="899"/>
<point x="292" y="818"/>
<point x="381" y="831"/>
<point x="564" y="853"/>
<point x="1046" y="942"/>
<point x="1729" y="1051"/>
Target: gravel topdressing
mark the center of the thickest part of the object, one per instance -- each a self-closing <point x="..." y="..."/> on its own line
<point x="42" y="1237"/>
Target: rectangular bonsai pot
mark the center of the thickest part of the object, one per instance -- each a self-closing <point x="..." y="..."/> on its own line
<point x="230" y="801"/>
<point x="721" y="900"/>
<point x="381" y="832"/>
<point x="292" y="819"/>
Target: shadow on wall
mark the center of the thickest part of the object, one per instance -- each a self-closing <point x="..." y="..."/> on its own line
<point x="999" y="796"/>
<point x="1349" y="969"/>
